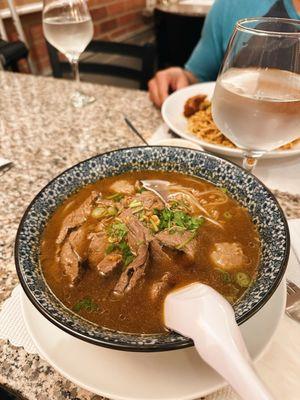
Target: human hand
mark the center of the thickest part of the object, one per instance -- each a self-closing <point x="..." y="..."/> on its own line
<point x="172" y="78"/>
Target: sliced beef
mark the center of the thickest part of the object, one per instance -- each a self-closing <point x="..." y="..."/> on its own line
<point x="97" y="247"/>
<point x="105" y="263"/>
<point x="184" y="242"/>
<point x="150" y="200"/>
<point x="79" y="242"/>
<point x="77" y="217"/>
<point x="132" y="242"/>
<point x="135" y="227"/>
<point x="109" y="263"/>
<point x="104" y="202"/>
<point x="122" y="186"/>
<point x="159" y="288"/>
<point x="71" y="262"/>
<point x="72" y="253"/>
<point x="134" y="272"/>
<point x="228" y="255"/>
<point x="158" y="255"/>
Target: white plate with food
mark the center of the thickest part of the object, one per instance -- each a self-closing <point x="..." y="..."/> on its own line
<point x="120" y="375"/>
<point x="199" y="126"/>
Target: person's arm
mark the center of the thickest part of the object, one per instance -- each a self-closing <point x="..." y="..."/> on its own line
<point x="204" y="63"/>
<point x="207" y="56"/>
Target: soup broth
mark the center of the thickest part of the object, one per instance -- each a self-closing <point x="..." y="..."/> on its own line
<point x="113" y="251"/>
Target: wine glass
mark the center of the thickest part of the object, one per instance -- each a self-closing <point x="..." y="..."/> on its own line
<point x="68" y="26"/>
<point x="256" y="102"/>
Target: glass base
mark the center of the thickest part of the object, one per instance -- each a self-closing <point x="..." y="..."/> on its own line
<point x="249" y="163"/>
<point x="80" y="99"/>
<point x="250" y="159"/>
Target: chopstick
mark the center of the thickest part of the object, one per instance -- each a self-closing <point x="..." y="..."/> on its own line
<point x="135" y="131"/>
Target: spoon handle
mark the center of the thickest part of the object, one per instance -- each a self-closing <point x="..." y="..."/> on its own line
<point x="219" y="341"/>
<point x="237" y="370"/>
<point x="199" y="312"/>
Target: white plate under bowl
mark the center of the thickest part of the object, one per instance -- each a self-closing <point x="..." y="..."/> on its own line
<point x="172" y="113"/>
<point x="118" y="375"/>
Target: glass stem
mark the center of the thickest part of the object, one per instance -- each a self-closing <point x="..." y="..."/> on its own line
<point x="75" y="70"/>
<point x="249" y="162"/>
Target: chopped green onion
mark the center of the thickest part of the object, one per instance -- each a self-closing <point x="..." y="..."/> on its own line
<point x="85" y="304"/>
<point x="135" y="203"/>
<point x="115" y="197"/>
<point x="124" y="248"/>
<point x="195" y="222"/>
<point x="225" y="276"/>
<point x="110" y="248"/>
<point x="137" y="210"/>
<point x="242" y="279"/>
<point x="165" y="217"/>
<point x="112" y="211"/>
<point x="227" y="215"/>
<point x="180" y="218"/>
<point x="223" y="189"/>
<point x="169" y="218"/>
<point x="127" y="254"/>
<point x="117" y="230"/>
<point x="143" y="217"/>
<point x="128" y="259"/>
<point x="174" y="203"/>
<point x="99" y="212"/>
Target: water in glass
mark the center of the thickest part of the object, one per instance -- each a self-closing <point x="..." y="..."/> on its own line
<point x="69" y="28"/>
<point x="256" y="102"/>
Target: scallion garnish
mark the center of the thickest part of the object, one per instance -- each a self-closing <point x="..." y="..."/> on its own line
<point x="86" y="304"/>
<point x="115" y="197"/>
<point x="227" y="215"/>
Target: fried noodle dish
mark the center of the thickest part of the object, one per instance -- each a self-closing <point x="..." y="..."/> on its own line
<point x="197" y="110"/>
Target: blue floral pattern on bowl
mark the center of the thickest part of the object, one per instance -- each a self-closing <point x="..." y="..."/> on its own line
<point x="242" y="186"/>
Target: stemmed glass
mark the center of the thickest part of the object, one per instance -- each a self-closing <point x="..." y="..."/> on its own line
<point x="256" y="102"/>
<point x="69" y="28"/>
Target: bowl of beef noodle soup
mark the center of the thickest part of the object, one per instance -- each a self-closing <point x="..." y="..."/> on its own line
<point x="98" y="249"/>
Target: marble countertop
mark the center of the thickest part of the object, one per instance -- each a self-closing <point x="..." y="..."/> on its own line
<point x="43" y="135"/>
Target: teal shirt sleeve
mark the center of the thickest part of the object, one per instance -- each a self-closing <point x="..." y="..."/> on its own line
<point x="207" y="56"/>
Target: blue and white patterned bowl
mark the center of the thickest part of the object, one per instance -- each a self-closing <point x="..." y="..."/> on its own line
<point x="242" y="186"/>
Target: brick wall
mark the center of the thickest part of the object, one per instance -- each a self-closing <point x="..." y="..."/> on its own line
<point x="113" y="20"/>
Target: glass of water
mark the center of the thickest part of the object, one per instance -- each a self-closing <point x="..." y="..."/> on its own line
<point x="68" y="26"/>
<point x="256" y="102"/>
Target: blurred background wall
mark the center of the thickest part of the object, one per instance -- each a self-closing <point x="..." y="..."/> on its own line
<point x="113" y="20"/>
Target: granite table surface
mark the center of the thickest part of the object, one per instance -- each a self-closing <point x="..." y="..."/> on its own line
<point x="43" y="135"/>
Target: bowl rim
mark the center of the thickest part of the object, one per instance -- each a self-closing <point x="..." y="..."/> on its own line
<point x="146" y="347"/>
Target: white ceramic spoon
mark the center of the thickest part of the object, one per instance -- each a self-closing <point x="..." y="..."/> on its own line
<point x="202" y="314"/>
